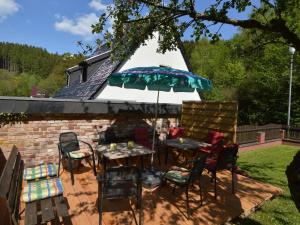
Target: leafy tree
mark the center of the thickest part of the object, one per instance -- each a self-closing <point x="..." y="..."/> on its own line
<point x="23" y="66"/>
<point x="279" y="18"/>
<point x="256" y="77"/>
<point x="57" y="78"/>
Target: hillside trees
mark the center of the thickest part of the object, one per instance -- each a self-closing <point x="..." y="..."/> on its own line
<point x="57" y="77"/>
<point x="256" y="77"/>
<point x="23" y="67"/>
<point x="27" y="59"/>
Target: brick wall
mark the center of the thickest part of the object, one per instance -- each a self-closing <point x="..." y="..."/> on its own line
<point x="37" y="138"/>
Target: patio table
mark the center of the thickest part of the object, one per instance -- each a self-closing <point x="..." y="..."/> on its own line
<point x="188" y="145"/>
<point x="123" y="152"/>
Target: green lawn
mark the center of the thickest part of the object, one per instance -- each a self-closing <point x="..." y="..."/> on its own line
<point x="268" y="165"/>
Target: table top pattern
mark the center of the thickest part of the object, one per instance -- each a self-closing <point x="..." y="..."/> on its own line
<point x="122" y="151"/>
<point x="186" y="144"/>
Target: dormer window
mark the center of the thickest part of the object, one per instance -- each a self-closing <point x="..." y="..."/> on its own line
<point x="84" y="67"/>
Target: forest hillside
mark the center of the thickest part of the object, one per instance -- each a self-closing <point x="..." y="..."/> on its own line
<point x="23" y="68"/>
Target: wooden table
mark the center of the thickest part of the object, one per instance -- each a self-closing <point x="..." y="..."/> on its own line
<point x="123" y="152"/>
<point x="188" y="145"/>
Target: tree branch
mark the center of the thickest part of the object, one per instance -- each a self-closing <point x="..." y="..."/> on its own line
<point x="277" y="25"/>
<point x="268" y="3"/>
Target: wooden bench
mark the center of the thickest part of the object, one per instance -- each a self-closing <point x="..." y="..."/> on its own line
<point x="36" y="212"/>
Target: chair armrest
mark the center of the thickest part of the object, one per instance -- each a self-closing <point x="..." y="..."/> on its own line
<point x="62" y="151"/>
<point x="88" y="144"/>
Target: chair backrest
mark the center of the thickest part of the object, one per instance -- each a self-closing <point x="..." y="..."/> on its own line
<point x="227" y="157"/>
<point x="68" y="142"/>
<point x="176" y="132"/>
<point x="10" y="188"/>
<point x="215" y="137"/>
<point x="142" y="137"/>
<point x="198" y="166"/>
<point x="108" y="136"/>
<point x="119" y="182"/>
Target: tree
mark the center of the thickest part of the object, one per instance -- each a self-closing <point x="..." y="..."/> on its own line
<point x="280" y="18"/>
<point x="57" y="78"/>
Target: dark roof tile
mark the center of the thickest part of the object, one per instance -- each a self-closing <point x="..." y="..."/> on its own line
<point x="87" y="89"/>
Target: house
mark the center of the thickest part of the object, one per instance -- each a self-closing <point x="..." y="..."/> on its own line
<point x="88" y="79"/>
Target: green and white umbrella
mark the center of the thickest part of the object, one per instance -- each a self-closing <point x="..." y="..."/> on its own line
<point x="159" y="79"/>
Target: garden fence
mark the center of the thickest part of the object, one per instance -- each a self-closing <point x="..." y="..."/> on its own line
<point x="293" y="133"/>
<point x="249" y="133"/>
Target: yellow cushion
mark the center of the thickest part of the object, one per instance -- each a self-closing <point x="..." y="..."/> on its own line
<point x="82" y="153"/>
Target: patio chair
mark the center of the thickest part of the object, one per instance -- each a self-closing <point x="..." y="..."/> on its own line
<point x="216" y="139"/>
<point x="226" y="159"/>
<point x="182" y="177"/>
<point x="142" y="137"/>
<point x="118" y="183"/>
<point x="69" y="148"/>
<point x="176" y="132"/>
<point x="106" y="137"/>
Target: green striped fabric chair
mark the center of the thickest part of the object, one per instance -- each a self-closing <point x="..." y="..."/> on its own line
<point x="182" y="177"/>
<point x="70" y="149"/>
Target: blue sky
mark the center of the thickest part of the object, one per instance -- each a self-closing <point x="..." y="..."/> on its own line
<point x="57" y="25"/>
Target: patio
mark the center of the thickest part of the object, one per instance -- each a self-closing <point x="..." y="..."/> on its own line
<point x="163" y="207"/>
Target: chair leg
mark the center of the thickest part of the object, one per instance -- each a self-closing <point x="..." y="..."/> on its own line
<point x="71" y="170"/>
<point x="158" y="156"/>
<point x="187" y="201"/>
<point x="140" y="210"/>
<point x="100" y="205"/>
<point x="232" y="180"/>
<point x="173" y="190"/>
<point x="200" y="189"/>
<point x="94" y="164"/>
<point x="59" y="162"/>
<point x="215" y="183"/>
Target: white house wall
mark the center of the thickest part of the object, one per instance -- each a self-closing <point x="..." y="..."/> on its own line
<point x="146" y="55"/>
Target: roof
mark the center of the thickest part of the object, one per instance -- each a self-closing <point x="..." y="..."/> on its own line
<point x="87" y="89"/>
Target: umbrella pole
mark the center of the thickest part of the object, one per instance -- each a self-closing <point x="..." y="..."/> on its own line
<point x="154" y="128"/>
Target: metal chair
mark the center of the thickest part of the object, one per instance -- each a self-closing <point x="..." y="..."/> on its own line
<point x="183" y="177"/>
<point x="216" y="139"/>
<point x="69" y="148"/>
<point x="226" y="159"/>
<point x="118" y="183"/>
<point x="142" y="137"/>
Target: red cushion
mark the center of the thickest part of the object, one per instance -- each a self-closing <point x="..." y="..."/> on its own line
<point x="176" y="132"/>
<point x="141" y="133"/>
<point x="214" y="137"/>
<point x="211" y="164"/>
<point x="141" y="137"/>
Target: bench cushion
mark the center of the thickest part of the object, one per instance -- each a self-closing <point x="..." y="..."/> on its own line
<point x="42" y="189"/>
<point x="40" y="171"/>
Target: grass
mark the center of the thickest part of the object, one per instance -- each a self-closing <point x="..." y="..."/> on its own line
<point x="269" y="165"/>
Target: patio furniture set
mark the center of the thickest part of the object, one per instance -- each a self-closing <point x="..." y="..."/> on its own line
<point x="43" y="189"/>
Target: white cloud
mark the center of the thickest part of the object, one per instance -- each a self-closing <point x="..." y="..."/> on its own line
<point x="80" y="26"/>
<point x="98" y="5"/>
<point x="7" y="8"/>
